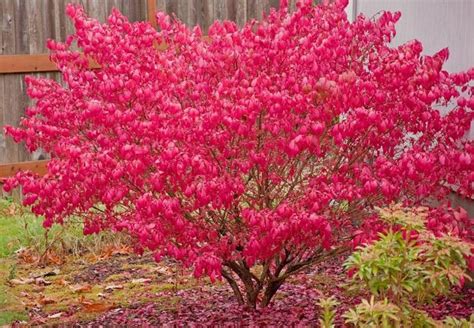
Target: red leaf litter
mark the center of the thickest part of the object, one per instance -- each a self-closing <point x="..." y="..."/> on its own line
<point x="294" y="305"/>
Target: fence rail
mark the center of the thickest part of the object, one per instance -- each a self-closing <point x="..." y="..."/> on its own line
<point x="10" y="169"/>
<point x="34" y="63"/>
<point x="26" y="25"/>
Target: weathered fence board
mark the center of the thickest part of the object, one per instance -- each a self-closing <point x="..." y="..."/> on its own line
<point x="38" y="167"/>
<point x="26" y="26"/>
<point x="26" y="63"/>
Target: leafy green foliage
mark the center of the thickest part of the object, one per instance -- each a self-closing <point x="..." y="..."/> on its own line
<point x="388" y="267"/>
<point x="411" y="263"/>
<point x="459" y="323"/>
<point x="407" y="265"/>
<point x="328" y="313"/>
<point x="374" y="314"/>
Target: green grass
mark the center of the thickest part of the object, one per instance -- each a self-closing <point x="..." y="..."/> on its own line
<point x="17" y="231"/>
<point x="7" y="317"/>
<point x="14" y="234"/>
<point x="25" y="230"/>
<point x="19" y="228"/>
<point x="10" y="307"/>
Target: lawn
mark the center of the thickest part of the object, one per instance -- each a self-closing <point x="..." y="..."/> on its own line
<point x="17" y="229"/>
<point x="78" y="278"/>
<point x="13" y="236"/>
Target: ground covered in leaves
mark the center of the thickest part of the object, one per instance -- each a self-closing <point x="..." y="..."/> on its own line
<point x="77" y="282"/>
<point x="122" y="289"/>
<point x="295" y="304"/>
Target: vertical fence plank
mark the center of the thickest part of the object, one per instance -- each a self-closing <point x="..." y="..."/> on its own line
<point x="8" y="47"/>
<point x="26" y="25"/>
<point x="3" y="141"/>
<point x="25" y="28"/>
<point x="161" y="5"/>
<point x="182" y="12"/>
<point x="151" y="12"/>
<point x="220" y="10"/>
<point x="240" y="12"/>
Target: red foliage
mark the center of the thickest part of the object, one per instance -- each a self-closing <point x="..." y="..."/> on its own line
<point x="265" y="144"/>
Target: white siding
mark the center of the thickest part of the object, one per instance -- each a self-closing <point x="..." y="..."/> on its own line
<point x="436" y="23"/>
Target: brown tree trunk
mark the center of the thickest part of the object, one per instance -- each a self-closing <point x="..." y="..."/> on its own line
<point x="252" y="289"/>
<point x="269" y="282"/>
<point x="251" y="285"/>
<point x="234" y="286"/>
<point x="270" y="291"/>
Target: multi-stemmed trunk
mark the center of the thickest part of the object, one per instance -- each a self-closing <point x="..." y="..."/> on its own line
<point x="257" y="290"/>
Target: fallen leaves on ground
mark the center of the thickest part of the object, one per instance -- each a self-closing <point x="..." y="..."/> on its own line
<point x="126" y="290"/>
<point x="55" y="316"/>
<point x="80" y="288"/>
<point x="113" y="287"/>
<point x="47" y="273"/>
<point x="42" y="282"/>
<point x="31" y="256"/>
<point x="21" y="281"/>
<point x="141" y="281"/>
<point x="112" y="250"/>
<point x="45" y="300"/>
<point x="214" y="305"/>
<point x="97" y="307"/>
<point x="90" y="306"/>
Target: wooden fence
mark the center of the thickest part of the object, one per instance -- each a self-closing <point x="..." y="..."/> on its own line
<point x="27" y="24"/>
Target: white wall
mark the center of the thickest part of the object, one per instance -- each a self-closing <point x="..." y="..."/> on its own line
<point x="436" y="23"/>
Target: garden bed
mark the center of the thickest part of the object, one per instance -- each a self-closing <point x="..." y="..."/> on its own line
<point x="127" y="290"/>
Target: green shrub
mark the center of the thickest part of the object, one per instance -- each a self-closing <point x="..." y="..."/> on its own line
<point x="374" y="314"/>
<point x="407" y="265"/>
<point x="328" y="313"/>
<point x="459" y="323"/>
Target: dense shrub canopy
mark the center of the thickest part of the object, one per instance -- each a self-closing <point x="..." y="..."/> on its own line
<point x="263" y="144"/>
